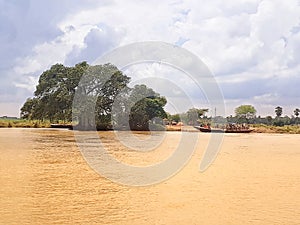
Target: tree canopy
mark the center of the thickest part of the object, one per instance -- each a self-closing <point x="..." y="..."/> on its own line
<point x="138" y="108"/>
<point x="278" y="111"/>
<point x="297" y="112"/>
<point x="148" y="105"/>
<point x="54" y="93"/>
<point x="94" y="89"/>
<point x="245" y="112"/>
<point x="194" y="114"/>
<point x="95" y="95"/>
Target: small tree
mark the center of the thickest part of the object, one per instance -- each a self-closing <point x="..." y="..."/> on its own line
<point x="194" y="114"/>
<point x="245" y="112"/>
<point x="269" y="120"/>
<point x="146" y="105"/>
<point x="297" y="112"/>
<point x="278" y="111"/>
<point x="175" y="117"/>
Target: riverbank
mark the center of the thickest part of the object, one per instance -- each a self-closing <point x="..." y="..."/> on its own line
<point x="257" y="128"/>
<point x="287" y="129"/>
<point x="19" y="123"/>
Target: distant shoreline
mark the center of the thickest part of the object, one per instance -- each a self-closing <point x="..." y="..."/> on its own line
<point x="257" y="128"/>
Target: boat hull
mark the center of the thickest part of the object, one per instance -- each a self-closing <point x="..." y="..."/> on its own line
<point x="62" y="126"/>
<point x="239" y="131"/>
<point x="216" y="130"/>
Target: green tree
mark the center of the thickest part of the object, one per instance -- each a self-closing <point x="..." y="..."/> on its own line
<point x="89" y="93"/>
<point x="194" y="114"/>
<point x="296" y="112"/>
<point x="145" y="107"/>
<point x="55" y="91"/>
<point x="96" y="94"/>
<point x="245" y="112"/>
<point x="278" y="120"/>
<point x="269" y="120"/>
<point x="175" y="117"/>
<point x="28" y="108"/>
<point x="278" y="111"/>
<point x="53" y="98"/>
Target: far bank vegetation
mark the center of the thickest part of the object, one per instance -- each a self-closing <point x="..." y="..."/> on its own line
<point x="115" y="105"/>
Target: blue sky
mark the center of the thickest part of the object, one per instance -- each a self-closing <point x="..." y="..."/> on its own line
<point x="251" y="46"/>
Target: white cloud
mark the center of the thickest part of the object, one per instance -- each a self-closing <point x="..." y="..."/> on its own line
<point x="252" y="46"/>
<point x="97" y="41"/>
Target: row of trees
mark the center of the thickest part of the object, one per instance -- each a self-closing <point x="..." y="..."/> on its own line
<point x="191" y="117"/>
<point x="104" y="98"/>
<point x="94" y="95"/>
<point x="247" y="113"/>
<point x="279" y="111"/>
<point x="243" y="114"/>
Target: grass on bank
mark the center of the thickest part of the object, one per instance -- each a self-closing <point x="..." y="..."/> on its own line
<point x="7" y="123"/>
<point x="258" y="128"/>
<point x="287" y="129"/>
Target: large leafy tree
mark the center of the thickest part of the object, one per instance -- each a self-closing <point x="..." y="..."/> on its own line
<point x="138" y="108"/>
<point x="96" y="94"/>
<point x="54" y="93"/>
<point x="88" y="93"/>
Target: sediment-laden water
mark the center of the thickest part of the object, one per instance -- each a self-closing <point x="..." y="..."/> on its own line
<point x="45" y="180"/>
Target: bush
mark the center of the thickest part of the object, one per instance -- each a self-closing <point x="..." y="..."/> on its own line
<point x="279" y="123"/>
<point x="36" y="125"/>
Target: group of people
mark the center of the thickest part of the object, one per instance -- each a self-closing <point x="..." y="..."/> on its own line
<point x="230" y="126"/>
<point x="233" y="126"/>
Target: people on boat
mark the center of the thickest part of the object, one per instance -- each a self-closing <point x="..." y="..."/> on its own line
<point x="234" y="127"/>
<point x="206" y="126"/>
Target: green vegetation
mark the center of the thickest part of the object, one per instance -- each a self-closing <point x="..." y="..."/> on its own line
<point x="148" y="106"/>
<point x="192" y="117"/>
<point x="244" y="113"/>
<point x="97" y="89"/>
<point x="24" y="123"/>
<point x="278" y="120"/>
<point x="278" y="111"/>
<point x="297" y="112"/>
<point x="105" y="99"/>
<point x="290" y="129"/>
<point x="54" y="94"/>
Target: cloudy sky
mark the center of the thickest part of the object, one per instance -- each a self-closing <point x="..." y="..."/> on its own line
<point x="251" y="46"/>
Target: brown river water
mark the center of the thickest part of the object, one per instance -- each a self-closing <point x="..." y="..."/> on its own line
<point x="45" y="180"/>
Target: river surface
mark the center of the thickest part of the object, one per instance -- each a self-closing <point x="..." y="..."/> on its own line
<point x="44" y="179"/>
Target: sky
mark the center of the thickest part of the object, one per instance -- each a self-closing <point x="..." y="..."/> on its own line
<point x="252" y="47"/>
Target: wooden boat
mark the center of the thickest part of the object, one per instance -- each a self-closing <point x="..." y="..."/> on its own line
<point x="238" y="130"/>
<point x="218" y="130"/>
<point x="208" y="129"/>
<point x="64" y="126"/>
<point x="203" y="129"/>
